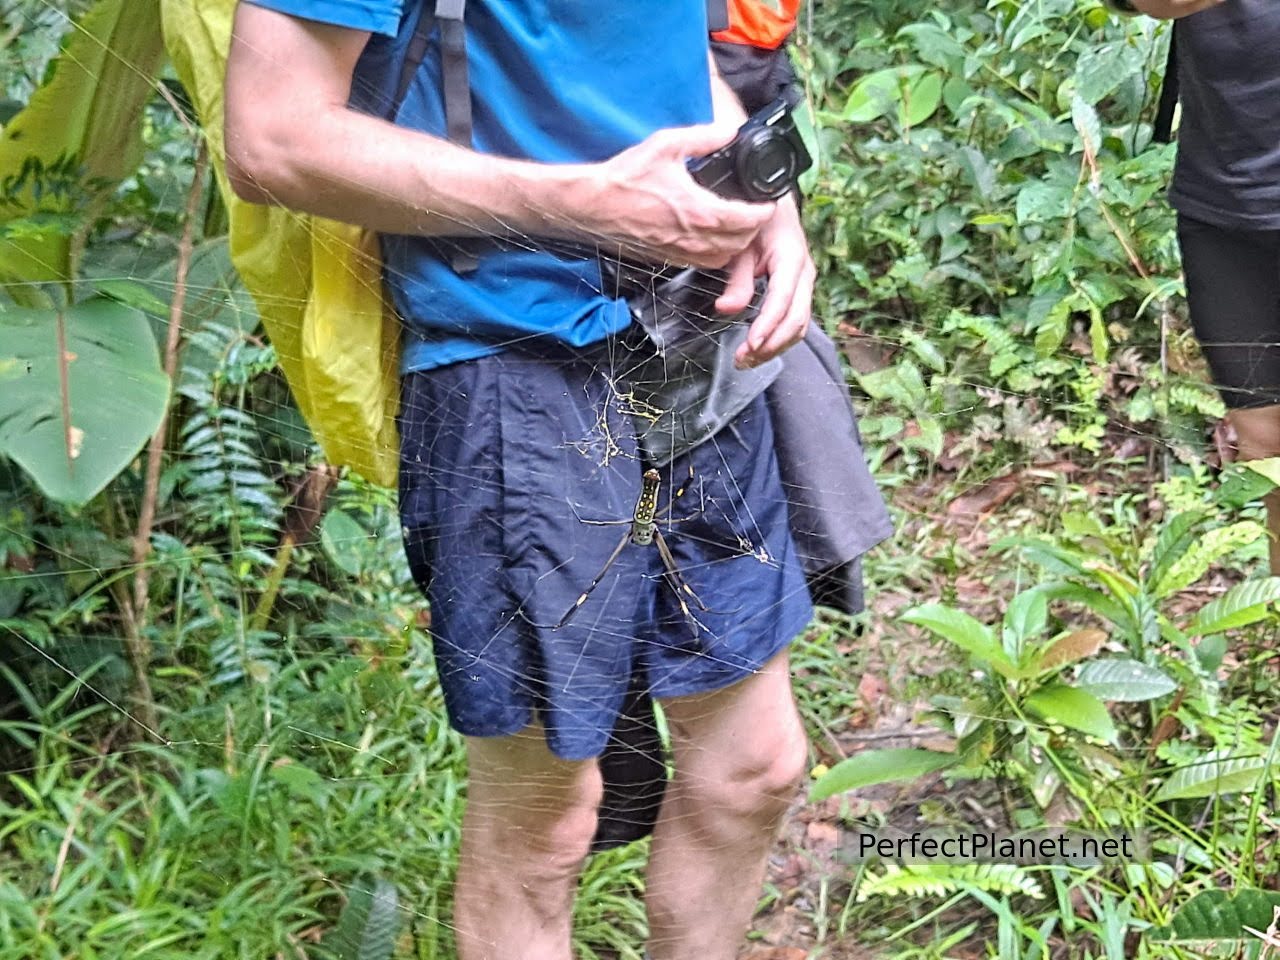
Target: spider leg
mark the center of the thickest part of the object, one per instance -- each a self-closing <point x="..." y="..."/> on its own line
<point x="675" y="580"/>
<point x="626" y="538"/>
<point x="593" y="523"/>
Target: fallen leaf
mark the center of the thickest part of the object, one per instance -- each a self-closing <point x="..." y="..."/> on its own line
<point x="1074" y="646"/>
<point x="870" y="689"/>
<point x="821" y="837"/>
<point x="984" y="499"/>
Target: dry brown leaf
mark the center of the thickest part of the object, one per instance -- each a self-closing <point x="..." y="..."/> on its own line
<point x="1074" y="646"/>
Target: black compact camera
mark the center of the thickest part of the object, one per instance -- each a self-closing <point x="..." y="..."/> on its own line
<point x="761" y="163"/>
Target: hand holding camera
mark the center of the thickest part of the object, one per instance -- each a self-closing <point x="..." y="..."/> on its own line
<point x="762" y="163"/>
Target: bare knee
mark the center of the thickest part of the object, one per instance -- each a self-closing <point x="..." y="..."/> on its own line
<point x="753" y="788"/>
<point x="544" y="831"/>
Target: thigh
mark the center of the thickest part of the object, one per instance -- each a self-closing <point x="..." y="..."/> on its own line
<point x="715" y="735"/>
<point x="1233" y="292"/>
<point x="520" y="781"/>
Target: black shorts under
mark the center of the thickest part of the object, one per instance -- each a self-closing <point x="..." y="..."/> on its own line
<point x="1233" y="290"/>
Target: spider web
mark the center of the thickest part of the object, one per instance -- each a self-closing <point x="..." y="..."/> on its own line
<point x="268" y="711"/>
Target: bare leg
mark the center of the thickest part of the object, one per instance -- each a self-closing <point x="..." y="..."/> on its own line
<point x="528" y="825"/>
<point x="739" y="753"/>
<point x="1258" y="437"/>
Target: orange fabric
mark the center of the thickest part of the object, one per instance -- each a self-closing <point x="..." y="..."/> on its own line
<point x="757" y="24"/>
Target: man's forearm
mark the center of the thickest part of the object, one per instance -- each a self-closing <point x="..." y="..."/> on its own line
<point x="360" y="169"/>
<point x="292" y="139"/>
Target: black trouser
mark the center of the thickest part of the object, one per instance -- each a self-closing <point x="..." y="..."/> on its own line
<point x="1233" y="290"/>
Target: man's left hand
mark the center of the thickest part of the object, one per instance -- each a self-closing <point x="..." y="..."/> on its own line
<point x="781" y="253"/>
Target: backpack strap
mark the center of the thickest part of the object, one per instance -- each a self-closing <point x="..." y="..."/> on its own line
<point x="455" y="75"/>
<point x="1163" y="127"/>
<point x="456" y="83"/>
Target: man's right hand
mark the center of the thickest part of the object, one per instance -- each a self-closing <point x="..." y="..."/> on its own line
<point x="645" y="199"/>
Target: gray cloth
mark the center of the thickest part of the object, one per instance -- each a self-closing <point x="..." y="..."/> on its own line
<point x="837" y="513"/>
<point x="683" y="384"/>
<point x="1228" y="169"/>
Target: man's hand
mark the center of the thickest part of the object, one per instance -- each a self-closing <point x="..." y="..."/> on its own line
<point x="1173" y="9"/>
<point x="646" y="199"/>
<point x="780" y="252"/>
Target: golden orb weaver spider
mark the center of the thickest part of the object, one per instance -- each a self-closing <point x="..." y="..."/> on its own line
<point x="643" y="532"/>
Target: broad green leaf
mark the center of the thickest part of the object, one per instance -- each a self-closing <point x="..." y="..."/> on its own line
<point x="1203" y="553"/>
<point x="965" y="632"/>
<point x="878" y="766"/>
<point x="1243" y="604"/>
<point x="1215" y="773"/>
<point x="84" y="121"/>
<point x="1085" y="119"/>
<point x="1221" y="915"/>
<point x="1239" y="485"/>
<point x="1099" y="70"/>
<point x="343" y="540"/>
<point x="1027" y="616"/>
<point x="369" y="924"/>
<point x="72" y="443"/>
<point x="1041" y="201"/>
<point x="1074" y="708"/>
<point x="1269" y="468"/>
<point x="878" y="92"/>
<point x="921" y="98"/>
<point x="1124" y="680"/>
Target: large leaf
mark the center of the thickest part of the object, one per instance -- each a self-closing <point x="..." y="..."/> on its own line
<point x="965" y="632"/>
<point x="1215" y="773"/>
<point x="86" y="120"/>
<point x="878" y="766"/>
<point x="1218" y="915"/>
<point x="1243" y="604"/>
<point x="1059" y="703"/>
<point x="878" y="92"/>
<point x="73" y="441"/>
<point x="369" y="924"/>
<point x="1119" y="678"/>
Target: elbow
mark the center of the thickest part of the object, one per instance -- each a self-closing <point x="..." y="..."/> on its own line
<point x="257" y="166"/>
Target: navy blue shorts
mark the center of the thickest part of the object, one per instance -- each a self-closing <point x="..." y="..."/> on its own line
<point x="515" y="472"/>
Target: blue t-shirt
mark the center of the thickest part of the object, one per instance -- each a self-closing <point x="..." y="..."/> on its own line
<point x="554" y="81"/>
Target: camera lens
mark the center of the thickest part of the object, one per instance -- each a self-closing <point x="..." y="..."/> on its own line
<point x="766" y="165"/>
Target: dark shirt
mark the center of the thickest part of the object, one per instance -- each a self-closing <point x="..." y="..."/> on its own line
<point x="1228" y="169"/>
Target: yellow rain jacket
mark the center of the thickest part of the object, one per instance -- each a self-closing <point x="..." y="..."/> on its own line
<point x="317" y="283"/>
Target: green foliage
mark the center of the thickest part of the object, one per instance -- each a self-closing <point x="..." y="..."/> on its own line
<point x="81" y="390"/>
<point x="1221" y="915"/>
<point x="369" y="922"/>
<point x="878" y="766"/>
<point x="941" y="879"/>
<point x="85" y="113"/>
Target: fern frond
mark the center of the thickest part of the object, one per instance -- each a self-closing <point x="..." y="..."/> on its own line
<point x="943" y="879"/>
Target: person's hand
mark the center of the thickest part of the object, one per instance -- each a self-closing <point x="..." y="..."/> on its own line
<point x="645" y="199"/>
<point x="1172" y="9"/>
<point x="780" y="252"/>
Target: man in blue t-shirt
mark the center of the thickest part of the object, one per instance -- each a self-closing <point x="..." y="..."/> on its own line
<point x="518" y="446"/>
